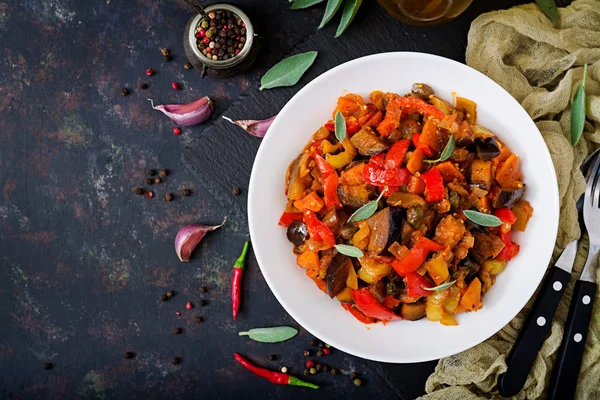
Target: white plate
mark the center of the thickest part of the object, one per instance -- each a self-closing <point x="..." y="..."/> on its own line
<point x="402" y="341"/>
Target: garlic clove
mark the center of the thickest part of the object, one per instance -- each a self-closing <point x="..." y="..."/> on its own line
<point x="189" y="114"/>
<point x="254" y="127"/>
<point x="188" y="238"/>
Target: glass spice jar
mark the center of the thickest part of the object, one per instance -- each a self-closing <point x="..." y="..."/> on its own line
<point x="235" y="64"/>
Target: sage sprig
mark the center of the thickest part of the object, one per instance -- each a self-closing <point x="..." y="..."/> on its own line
<point x="332" y="7"/>
<point x="299" y="4"/>
<point x="289" y="71"/>
<point x="348" y="13"/>
<point x="578" y="110"/>
<point x="271" y="335"/>
<point x="340" y="127"/>
<point x="446" y="153"/>
<point x="482" y="219"/>
<point x="350" y="9"/>
<point x="367" y="210"/>
<point x="349" y="251"/>
<point x="549" y="8"/>
<point x="440" y="287"/>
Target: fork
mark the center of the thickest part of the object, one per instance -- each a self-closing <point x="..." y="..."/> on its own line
<point x="568" y="363"/>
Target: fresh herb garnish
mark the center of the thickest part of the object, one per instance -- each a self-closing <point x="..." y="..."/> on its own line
<point x="289" y="71"/>
<point x="482" y="219"/>
<point x="578" y="110"/>
<point x="340" y="127"/>
<point x="349" y="251"/>
<point x="440" y="287"/>
<point x="549" y="8"/>
<point x="299" y="4"/>
<point x="367" y="210"/>
<point x="332" y="7"/>
<point x="446" y="153"/>
<point x="350" y="9"/>
<point x="271" y="335"/>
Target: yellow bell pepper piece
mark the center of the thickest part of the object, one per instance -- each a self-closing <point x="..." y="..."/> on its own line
<point x="344" y="158"/>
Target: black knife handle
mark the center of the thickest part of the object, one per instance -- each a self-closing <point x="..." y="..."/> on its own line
<point x="533" y="333"/>
<point x="566" y="369"/>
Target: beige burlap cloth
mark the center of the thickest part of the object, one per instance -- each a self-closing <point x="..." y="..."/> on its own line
<point x="540" y="63"/>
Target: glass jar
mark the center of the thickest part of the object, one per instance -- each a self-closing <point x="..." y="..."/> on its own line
<point x="425" y="12"/>
<point x="220" y="68"/>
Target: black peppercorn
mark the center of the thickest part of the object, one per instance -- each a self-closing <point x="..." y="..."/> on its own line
<point x="333" y="371"/>
<point x="148" y="181"/>
<point x="124" y="92"/>
<point x="164" y="297"/>
<point x="203" y="303"/>
<point x="199" y="320"/>
<point x="128" y="355"/>
<point x="186" y="192"/>
<point x="325" y="368"/>
<point x="151" y="172"/>
<point x="319" y="367"/>
<point x="306" y="353"/>
<point x="177" y="331"/>
<point x="203" y="289"/>
<point x="306" y="371"/>
<point x="236" y="191"/>
<point x="352" y="375"/>
<point x="320" y="353"/>
<point x="48" y="366"/>
<point x="157" y="180"/>
<point x="176" y="360"/>
<point x="187" y="65"/>
<point x="168" y="58"/>
<point x="164" y="172"/>
<point x="143" y="86"/>
<point x="321" y="344"/>
<point x="314" y="342"/>
<point x="168" y="197"/>
<point x="138" y="191"/>
<point x="165" y="52"/>
<point x="170" y="294"/>
<point x="272" y="357"/>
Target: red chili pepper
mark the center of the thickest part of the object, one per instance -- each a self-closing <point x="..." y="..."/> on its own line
<point x="506" y="215"/>
<point x="416" y="257"/>
<point x="366" y="303"/>
<point x="395" y="155"/>
<point x="414" y="285"/>
<point x="236" y="281"/>
<point x="382" y="177"/>
<point x="358" y="314"/>
<point x="318" y="230"/>
<point x="434" y="185"/>
<point x="352" y="126"/>
<point x="278" y="378"/>
<point x="510" y="249"/>
<point x="330" y="182"/>
<point x="287" y="218"/>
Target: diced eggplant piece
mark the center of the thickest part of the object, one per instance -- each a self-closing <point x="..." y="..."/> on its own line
<point x="368" y="142"/>
<point x="464" y="136"/>
<point x="486" y="246"/>
<point x="413" y="311"/>
<point x="378" y="290"/>
<point x="354" y="196"/>
<point x="297" y="233"/>
<point x="481" y="174"/>
<point x="348" y="231"/>
<point x="421" y="91"/>
<point x="508" y="197"/>
<point x="487" y="148"/>
<point x="385" y="227"/>
<point x="405" y="200"/>
<point x="406" y="130"/>
<point x="337" y="274"/>
<point x="449" y="231"/>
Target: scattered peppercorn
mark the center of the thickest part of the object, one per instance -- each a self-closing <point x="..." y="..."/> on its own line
<point x="327" y="345"/>
<point x="203" y="303"/>
<point x="306" y="372"/>
<point x="314" y="342"/>
<point x="175" y="86"/>
<point x="186" y="193"/>
<point x="189" y="305"/>
<point x="272" y="357"/>
<point x="165" y="52"/>
<point x="306" y="353"/>
<point x="170" y="294"/>
<point x="177" y="130"/>
<point x="151" y="172"/>
<point x="48" y="366"/>
<point x="178" y="313"/>
<point x="128" y="355"/>
<point x="325" y="368"/>
<point x="149" y="72"/>
<point x="177" y="331"/>
<point x="148" y="181"/>
<point x="164" y="172"/>
<point x="284" y="370"/>
<point x="321" y="344"/>
<point x="309" y="363"/>
<point x="357" y="382"/>
<point x="187" y="65"/>
<point x="326" y="351"/>
<point x="157" y="180"/>
<point x="168" y="197"/>
<point x="313" y="371"/>
<point x="319" y="353"/>
<point x="176" y="360"/>
<point x="203" y="289"/>
<point x="124" y="92"/>
<point x="333" y="371"/>
<point x="352" y="375"/>
<point x="199" y="320"/>
<point x="319" y="367"/>
<point x="168" y="58"/>
<point x="236" y="191"/>
<point x="222" y="37"/>
<point x="164" y="298"/>
<point x="138" y="191"/>
<point x="143" y="86"/>
<point x="150" y="194"/>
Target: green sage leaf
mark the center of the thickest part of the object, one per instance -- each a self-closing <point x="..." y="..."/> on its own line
<point x="289" y="71"/>
<point x="549" y="8"/>
<point x="350" y="9"/>
<point x="349" y="251"/>
<point x="271" y="335"/>
<point x="332" y="7"/>
<point x="340" y="127"/>
<point x="440" y="287"/>
<point x="367" y="210"/>
<point x="299" y="4"/>
<point x="578" y="110"/>
<point x="446" y="153"/>
<point x="482" y="219"/>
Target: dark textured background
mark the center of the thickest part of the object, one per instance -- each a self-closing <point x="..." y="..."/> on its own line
<point x="84" y="261"/>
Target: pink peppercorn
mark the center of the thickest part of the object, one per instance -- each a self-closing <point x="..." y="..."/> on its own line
<point x="198" y="35"/>
<point x="206" y="40"/>
<point x="309" y="364"/>
<point x="175" y="86"/>
<point x="189" y="305"/>
<point x="178" y="313"/>
<point x="237" y="51"/>
<point x="202" y="32"/>
<point x="326" y="351"/>
<point x="149" y="72"/>
<point x="208" y="50"/>
<point x="177" y="131"/>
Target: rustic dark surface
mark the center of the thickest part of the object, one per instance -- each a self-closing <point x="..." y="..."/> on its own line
<point x="84" y="260"/>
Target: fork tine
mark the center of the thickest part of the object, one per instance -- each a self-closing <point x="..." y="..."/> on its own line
<point x="592" y="190"/>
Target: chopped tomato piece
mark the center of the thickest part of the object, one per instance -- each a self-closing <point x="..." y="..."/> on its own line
<point x="381" y="177"/>
<point x="358" y="314"/>
<point x="416" y="185"/>
<point x="416" y="256"/>
<point x="311" y="202"/>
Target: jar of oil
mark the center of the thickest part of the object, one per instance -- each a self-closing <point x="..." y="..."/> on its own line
<point x="425" y="12"/>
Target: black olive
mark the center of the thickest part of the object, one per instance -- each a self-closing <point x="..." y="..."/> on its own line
<point x="487" y="149"/>
<point x="297" y="233"/>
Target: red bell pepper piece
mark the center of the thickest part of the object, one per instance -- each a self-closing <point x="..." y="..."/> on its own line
<point x="506" y="215"/>
<point x="434" y="185"/>
<point x="381" y="177"/>
<point x="390" y="302"/>
<point x="415" y="283"/>
<point x="390" y="122"/>
<point x="395" y="155"/>
<point x="416" y="256"/>
<point x="358" y="314"/>
<point x="510" y="250"/>
<point x="411" y="105"/>
<point x="330" y="182"/>
<point x="287" y="218"/>
<point x="318" y="230"/>
<point x="375" y="120"/>
<point x="378" y="160"/>
<point x="416" y="139"/>
<point x="352" y="126"/>
<point x="366" y="303"/>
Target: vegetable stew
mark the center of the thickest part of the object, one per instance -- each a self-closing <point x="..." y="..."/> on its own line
<point x="395" y="189"/>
